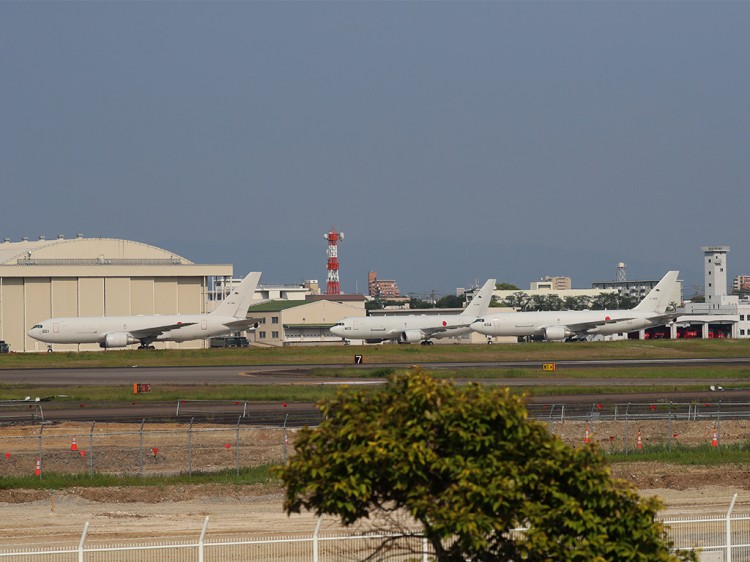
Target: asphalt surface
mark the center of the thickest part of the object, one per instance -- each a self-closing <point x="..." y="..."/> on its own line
<point x="299" y="374"/>
<point x="296" y="414"/>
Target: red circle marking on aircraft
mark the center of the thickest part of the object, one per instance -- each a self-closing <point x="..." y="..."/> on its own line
<point x="607" y="318"/>
<point x="445" y="323"/>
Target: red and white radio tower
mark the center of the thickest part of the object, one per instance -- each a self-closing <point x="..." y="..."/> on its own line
<point x="333" y="286"/>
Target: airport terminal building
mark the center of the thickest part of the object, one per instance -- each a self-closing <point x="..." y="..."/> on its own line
<point x="80" y="276"/>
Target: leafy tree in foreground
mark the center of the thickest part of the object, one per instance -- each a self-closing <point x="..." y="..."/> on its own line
<point x="468" y="465"/>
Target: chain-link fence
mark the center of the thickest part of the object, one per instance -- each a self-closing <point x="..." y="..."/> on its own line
<point x="188" y="447"/>
<point x="635" y="427"/>
<point x="139" y="449"/>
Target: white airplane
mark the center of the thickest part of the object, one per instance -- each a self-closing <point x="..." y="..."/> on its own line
<point x="560" y="325"/>
<point x="414" y="328"/>
<point x="121" y="331"/>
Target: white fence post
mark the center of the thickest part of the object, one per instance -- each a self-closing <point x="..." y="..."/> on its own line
<point x="83" y="540"/>
<point x="728" y="557"/>
<point x="316" y="542"/>
<point x="201" y="539"/>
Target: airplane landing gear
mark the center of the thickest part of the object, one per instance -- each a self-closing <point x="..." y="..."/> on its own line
<point x="427" y="342"/>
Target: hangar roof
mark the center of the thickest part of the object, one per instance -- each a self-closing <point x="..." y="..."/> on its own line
<point x="62" y="251"/>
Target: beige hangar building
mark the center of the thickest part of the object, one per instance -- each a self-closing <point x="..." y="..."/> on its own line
<point x="80" y="276"/>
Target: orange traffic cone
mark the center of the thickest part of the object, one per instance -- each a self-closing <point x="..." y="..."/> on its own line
<point x="715" y="439"/>
<point x="639" y="443"/>
<point x="74" y="445"/>
<point x="38" y="471"/>
<point x="586" y="438"/>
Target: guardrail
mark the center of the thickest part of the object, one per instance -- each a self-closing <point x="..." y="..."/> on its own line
<point x="725" y="537"/>
<point x="21" y="410"/>
<point x="659" y="410"/>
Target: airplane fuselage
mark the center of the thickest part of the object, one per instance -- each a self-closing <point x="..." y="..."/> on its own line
<point x="120" y="331"/>
<point x="557" y="323"/>
<point x="96" y="329"/>
<point x="408" y="329"/>
<point x="413" y="328"/>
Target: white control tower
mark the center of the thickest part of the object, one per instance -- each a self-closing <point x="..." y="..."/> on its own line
<point x="715" y="274"/>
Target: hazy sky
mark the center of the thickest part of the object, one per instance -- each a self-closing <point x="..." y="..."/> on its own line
<point x="450" y="141"/>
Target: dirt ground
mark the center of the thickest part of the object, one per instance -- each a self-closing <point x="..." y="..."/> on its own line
<point x="178" y="512"/>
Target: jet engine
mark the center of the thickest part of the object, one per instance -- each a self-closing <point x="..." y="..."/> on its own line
<point x="117" y="339"/>
<point x="556" y="333"/>
<point x="411" y="336"/>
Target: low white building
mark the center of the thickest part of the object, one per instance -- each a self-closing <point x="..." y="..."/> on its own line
<point x="307" y="322"/>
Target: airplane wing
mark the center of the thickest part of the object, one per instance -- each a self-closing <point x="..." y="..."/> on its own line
<point x="434" y="330"/>
<point x="155" y="331"/>
<point x="579" y="327"/>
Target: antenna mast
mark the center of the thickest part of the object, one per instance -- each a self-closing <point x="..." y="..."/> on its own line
<point x="333" y="287"/>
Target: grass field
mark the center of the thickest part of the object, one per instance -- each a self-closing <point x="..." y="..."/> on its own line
<point x="527" y="381"/>
<point x="339" y="364"/>
<point x="388" y="354"/>
<point x="57" y="481"/>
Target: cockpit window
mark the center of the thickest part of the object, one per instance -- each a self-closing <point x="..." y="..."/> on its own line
<point x="37" y="326"/>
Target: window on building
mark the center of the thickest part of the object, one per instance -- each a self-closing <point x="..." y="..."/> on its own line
<point x="262" y="335"/>
<point x="274" y="335"/>
<point x="742" y="317"/>
<point x="742" y="332"/>
<point x="274" y="319"/>
<point x="262" y="321"/>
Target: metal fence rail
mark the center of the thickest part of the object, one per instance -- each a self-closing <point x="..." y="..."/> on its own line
<point x="660" y="410"/>
<point x="316" y="547"/>
<point x="725" y="538"/>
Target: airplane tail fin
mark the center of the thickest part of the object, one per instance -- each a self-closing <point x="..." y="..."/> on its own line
<point x="660" y="297"/>
<point x="238" y="301"/>
<point x="481" y="301"/>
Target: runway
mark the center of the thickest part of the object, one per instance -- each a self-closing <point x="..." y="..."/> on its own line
<point x="306" y="413"/>
<point x="300" y="373"/>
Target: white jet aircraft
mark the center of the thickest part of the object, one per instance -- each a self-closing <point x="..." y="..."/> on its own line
<point x="414" y="328"/>
<point x="121" y="331"/>
<point x="560" y="325"/>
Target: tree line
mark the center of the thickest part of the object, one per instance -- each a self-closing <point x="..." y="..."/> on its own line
<point x="519" y="300"/>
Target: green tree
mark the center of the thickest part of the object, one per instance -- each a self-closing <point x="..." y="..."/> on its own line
<point x="415" y="302"/>
<point x="467" y="464"/>
<point x="519" y="300"/>
<point x="576" y="303"/>
<point x="506" y="287"/>
<point x="450" y="301"/>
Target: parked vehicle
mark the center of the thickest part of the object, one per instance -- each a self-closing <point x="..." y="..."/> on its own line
<point x="230" y="341"/>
